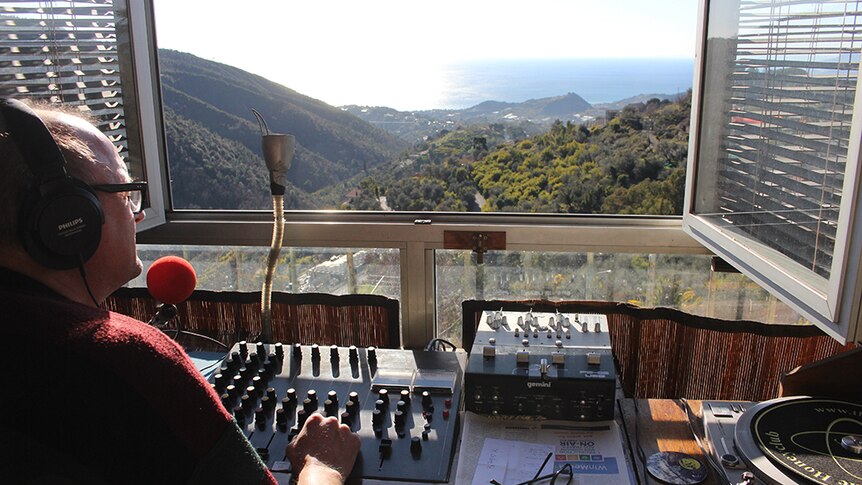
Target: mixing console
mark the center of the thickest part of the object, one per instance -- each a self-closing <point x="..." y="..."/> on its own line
<point x="403" y="404"/>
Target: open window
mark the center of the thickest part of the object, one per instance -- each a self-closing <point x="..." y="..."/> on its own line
<point x="774" y="152"/>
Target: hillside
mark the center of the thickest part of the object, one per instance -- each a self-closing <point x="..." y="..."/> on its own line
<point x="533" y="116"/>
<point x="633" y="164"/>
<point x="212" y="103"/>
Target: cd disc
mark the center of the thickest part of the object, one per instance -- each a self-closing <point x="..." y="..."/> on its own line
<point x="676" y="468"/>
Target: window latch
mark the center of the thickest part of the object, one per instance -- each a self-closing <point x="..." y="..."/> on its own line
<point x="478" y="242"/>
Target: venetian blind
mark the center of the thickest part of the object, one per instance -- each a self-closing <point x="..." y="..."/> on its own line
<point x="789" y="90"/>
<point x="66" y="52"/>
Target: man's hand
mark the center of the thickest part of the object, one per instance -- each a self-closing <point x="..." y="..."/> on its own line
<point x="323" y="452"/>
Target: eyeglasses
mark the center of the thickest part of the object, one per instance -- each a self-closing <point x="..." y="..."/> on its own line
<point x="134" y="193"/>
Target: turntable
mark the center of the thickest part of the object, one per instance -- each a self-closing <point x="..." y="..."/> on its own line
<point x="789" y="440"/>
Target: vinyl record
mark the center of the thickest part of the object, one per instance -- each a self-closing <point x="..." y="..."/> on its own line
<point x="803" y="439"/>
<point x="676" y="468"/>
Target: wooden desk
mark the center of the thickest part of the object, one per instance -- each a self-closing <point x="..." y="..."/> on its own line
<point x="660" y="425"/>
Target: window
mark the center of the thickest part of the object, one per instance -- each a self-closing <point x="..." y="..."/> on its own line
<point x="76" y="53"/>
<point x="776" y="156"/>
<point x="411" y="106"/>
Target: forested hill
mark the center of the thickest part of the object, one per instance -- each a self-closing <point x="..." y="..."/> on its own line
<point x="633" y="164"/>
<point x="208" y="106"/>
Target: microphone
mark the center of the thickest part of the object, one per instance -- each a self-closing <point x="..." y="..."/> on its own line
<point x="170" y="280"/>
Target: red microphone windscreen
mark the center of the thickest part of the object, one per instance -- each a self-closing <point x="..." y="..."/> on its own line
<point x="171" y="280"/>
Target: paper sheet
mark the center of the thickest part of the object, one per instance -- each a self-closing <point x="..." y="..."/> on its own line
<point x="511" y="450"/>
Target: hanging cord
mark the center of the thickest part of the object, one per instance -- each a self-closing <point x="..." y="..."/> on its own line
<point x="83" y="273"/>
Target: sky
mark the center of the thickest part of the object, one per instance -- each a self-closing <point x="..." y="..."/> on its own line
<point x="352" y="52"/>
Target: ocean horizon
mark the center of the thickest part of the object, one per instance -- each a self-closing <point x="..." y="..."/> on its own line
<point x="595" y="80"/>
<point x="465" y="84"/>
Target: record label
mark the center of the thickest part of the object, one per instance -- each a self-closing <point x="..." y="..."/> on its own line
<point x="676" y="468"/>
<point x="811" y="438"/>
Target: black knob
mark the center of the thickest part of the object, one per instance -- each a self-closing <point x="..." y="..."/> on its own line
<point x="400" y="418"/>
<point x="243" y="347"/>
<point x="279" y="350"/>
<point x="379" y="404"/>
<point x="239" y="415"/>
<point x="266" y="402"/>
<point x="346" y="418"/>
<point x="401" y="406"/>
<point x="353" y="353"/>
<point x="259" y="385"/>
<point x="312" y="395"/>
<point x="252" y="360"/>
<point x="234" y="361"/>
<point x="383" y="395"/>
<point x="246" y="401"/>
<point x="251" y="391"/>
<point x="353" y="397"/>
<point x="226" y="400"/>
<point x="332" y="396"/>
<point x="301" y="416"/>
<point x="330" y="408"/>
<point x="280" y="417"/>
<point x="415" y="446"/>
<point x="231" y="390"/>
<point x="308" y="406"/>
<point x="220" y="381"/>
<point x="315" y="351"/>
<point x="377" y="418"/>
<point x="350" y="407"/>
<point x="270" y="393"/>
<point x="333" y="352"/>
<point x="261" y="349"/>
<point x="405" y="396"/>
<point x="291" y="395"/>
<point x="372" y="354"/>
<point x="426" y="398"/>
<point x="259" y="416"/>
<point x="297" y="351"/>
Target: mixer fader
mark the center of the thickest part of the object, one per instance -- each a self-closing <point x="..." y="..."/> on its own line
<point x="403" y="404"/>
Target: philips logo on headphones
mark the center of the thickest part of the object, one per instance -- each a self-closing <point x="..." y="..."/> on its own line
<point x="531" y="385"/>
<point x="73" y="224"/>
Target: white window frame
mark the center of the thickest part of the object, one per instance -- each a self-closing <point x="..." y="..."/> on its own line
<point x="835" y="311"/>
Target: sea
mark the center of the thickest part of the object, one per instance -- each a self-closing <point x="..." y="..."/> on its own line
<point x="595" y="80"/>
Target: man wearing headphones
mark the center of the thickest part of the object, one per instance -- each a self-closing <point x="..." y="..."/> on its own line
<point x="93" y="396"/>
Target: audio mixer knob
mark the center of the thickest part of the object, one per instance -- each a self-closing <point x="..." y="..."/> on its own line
<point x="383" y="395"/>
<point x="260" y="417"/>
<point x="308" y="407"/>
<point x="377" y="418"/>
<point x="297" y="351"/>
<point x="301" y="416"/>
<point x="270" y="393"/>
<point x="315" y="352"/>
<point x="401" y="406"/>
<point x="332" y="396"/>
<point x="252" y="360"/>
<point x="330" y="408"/>
<point x="379" y="404"/>
<point x="243" y="347"/>
<point x="353" y="353"/>
<point x="405" y="396"/>
<point x="372" y="354"/>
<point x="426" y="399"/>
<point x="312" y="396"/>
<point x="261" y="349"/>
<point x="350" y="408"/>
<point x="333" y="352"/>
<point x="353" y="397"/>
<point x="279" y="350"/>
<point x="346" y="418"/>
<point x="291" y="395"/>
<point x="400" y="419"/>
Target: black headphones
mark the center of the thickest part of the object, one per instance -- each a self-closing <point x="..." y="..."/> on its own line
<point x="60" y="222"/>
